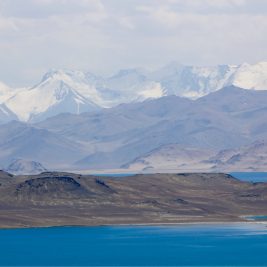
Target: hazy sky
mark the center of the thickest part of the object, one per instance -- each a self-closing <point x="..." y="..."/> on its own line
<point x="104" y="35"/>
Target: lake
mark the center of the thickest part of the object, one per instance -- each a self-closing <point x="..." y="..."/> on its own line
<point x="251" y="176"/>
<point x="184" y="245"/>
<point x="244" y="176"/>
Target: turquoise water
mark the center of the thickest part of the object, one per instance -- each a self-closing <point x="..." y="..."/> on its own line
<point x="251" y="176"/>
<point x="204" y="245"/>
<point x="244" y="176"/>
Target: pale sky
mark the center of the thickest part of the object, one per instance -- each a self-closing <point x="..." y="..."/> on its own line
<point x="103" y="36"/>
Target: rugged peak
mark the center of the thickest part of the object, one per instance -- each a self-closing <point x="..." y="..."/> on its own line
<point x="65" y="74"/>
<point x="128" y="85"/>
<point x="53" y="73"/>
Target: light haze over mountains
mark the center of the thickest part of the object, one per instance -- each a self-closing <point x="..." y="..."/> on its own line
<point x="76" y="92"/>
<point x="178" y="118"/>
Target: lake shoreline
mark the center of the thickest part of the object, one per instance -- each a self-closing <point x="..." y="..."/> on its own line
<point x="163" y="224"/>
<point x="67" y="199"/>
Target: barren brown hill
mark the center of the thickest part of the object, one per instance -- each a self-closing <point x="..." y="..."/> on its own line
<point x="54" y="199"/>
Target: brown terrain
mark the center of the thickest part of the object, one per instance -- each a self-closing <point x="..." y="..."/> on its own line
<point x="57" y="199"/>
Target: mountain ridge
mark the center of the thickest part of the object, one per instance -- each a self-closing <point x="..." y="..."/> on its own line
<point x="88" y="92"/>
<point x="123" y="133"/>
<point x="230" y="118"/>
<point x="61" y="199"/>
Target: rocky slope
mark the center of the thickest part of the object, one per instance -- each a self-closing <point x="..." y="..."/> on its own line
<point x="174" y="157"/>
<point x="51" y="199"/>
<point x="230" y="118"/>
<point x="252" y="157"/>
<point x="23" y="141"/>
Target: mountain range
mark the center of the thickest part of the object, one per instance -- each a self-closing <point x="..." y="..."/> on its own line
<point x="175" y="118"/>
<point x="167" y="133"/>
<point x="68" y="91"/>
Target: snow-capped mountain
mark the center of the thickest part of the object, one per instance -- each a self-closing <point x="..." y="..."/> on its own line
<point x="168" y="132"/>
<point x="193" y="81"/>
<point x="251" y="76"/>
<point x="131" y="85"/>
<point x="53" y="95"/>
<point x="77" y="91"/>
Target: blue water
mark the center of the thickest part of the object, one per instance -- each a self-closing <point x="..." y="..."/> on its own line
<point x="251" y="176"/>
<point x="244" y="176"/>
<point x="204" y="245"/>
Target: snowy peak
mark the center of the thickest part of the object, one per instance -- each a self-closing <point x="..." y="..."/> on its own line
<point x="52" y="95"/>
<point x="251" y="76"/>
<point x="78" y="91"/>
<point x="83" y="83"/>
<point x="130" y="85"/>
<point x="54" y="74"/>
<point x="69" y="76"/>
<point x="193" y="81"/>
<point x="197" y="81"/>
